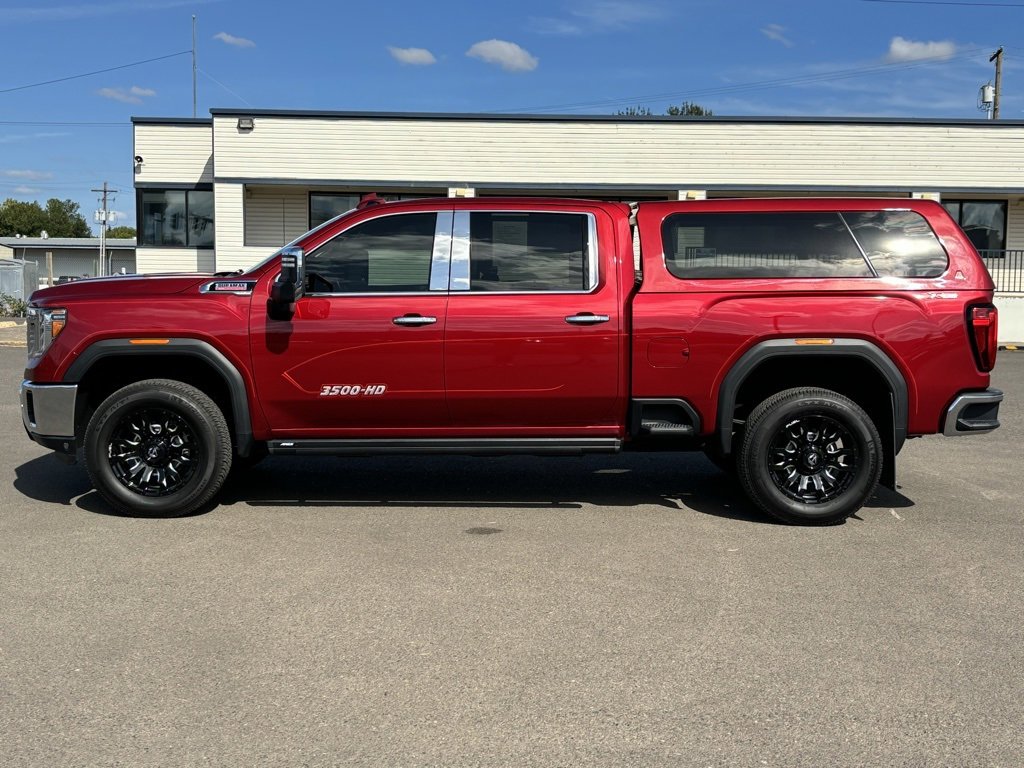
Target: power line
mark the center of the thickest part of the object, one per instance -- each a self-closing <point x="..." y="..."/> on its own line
<point x="90" y="74"/>
<point x="218" y="82"/>
<point x="761" y="84"/>
<point x="948" y="2"/>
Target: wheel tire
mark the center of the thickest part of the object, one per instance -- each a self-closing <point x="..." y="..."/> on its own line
<point x="157" y="448"/>
<point x="810" y="456"/>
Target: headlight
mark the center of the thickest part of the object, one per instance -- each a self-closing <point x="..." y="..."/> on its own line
<point x="43" y="325"/>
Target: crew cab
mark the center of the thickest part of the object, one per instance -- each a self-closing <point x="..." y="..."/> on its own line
<point x="799" y="343"/>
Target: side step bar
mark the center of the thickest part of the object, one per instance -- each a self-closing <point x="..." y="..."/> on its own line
<point x="530" y="446"/>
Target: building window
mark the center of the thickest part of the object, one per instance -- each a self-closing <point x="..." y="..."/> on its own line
<point x="176" y="218"/>
<point x="324" y="206"/>
<point x="983" y="221"/>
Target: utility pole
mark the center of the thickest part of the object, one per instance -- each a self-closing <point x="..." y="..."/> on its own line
<point x="997" y="57"/>
<point x="103" y="216"/>
<point x="194" y="65"/>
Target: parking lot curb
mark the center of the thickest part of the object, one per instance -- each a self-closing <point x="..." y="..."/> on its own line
<point x="1011" y="347"/>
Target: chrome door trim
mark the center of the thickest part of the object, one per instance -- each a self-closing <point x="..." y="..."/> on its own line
<point x="440" y="260"/>
<point x="460" y="252"/>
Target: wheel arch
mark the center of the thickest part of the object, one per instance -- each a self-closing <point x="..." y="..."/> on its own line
<point x="160" y="358"/>
<point x="857" y="353"/>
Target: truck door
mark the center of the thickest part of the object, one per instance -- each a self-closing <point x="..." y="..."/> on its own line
<point x="363" y="353"/>
<point x="533" y="330"/>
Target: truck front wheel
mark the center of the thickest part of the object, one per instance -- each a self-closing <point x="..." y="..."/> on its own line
<point x="810" y="456"/>
<point x="158" y="448"/>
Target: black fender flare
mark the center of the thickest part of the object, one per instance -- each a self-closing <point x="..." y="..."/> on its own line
<point x="240" y="417"/>
<point x="772" y="348"/>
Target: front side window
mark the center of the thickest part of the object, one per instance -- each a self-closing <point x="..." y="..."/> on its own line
<point x="177" y="217"/>
<point x="736" y="245"/>
<point x="529" y="252"/>
<point x="390" y="254"/>
<point x="983" y="221"/>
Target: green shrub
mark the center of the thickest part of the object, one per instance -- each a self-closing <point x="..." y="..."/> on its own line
<point x="12" y="307"/>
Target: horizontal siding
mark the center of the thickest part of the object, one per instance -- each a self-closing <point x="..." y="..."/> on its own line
<point x="229" y="208"/>
<point x="174" y="154"/>
<point x="691" y="155"/>
<point x="173" y="260"/>
<point x="1015" y="224"/>
<point x="275" y="215"/>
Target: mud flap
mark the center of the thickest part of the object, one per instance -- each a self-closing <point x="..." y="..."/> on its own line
<point x="888" y="478"/>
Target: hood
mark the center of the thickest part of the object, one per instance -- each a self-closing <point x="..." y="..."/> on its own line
<point x="112" y="287"/>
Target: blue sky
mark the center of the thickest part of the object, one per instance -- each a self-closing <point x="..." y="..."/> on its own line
<point x="736" y="57"/>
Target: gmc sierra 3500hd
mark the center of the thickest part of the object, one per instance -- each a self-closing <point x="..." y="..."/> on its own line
<point x="798" y="342"/>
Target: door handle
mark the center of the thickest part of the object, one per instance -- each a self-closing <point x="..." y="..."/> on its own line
<point x="414" y="320"/>
<point x="586" y="318"/>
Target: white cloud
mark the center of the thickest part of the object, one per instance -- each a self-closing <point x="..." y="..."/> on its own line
<point x="546" y="25"/>
<point x="508" y="56"/>
<point x="238" y="42"/>
<point x="133" y="95"/>
<point x="28" y="175"/>
<point x="21" y="189"/>
<point x="901" y="49"/>
<point x="600" y="16"/>
<point x="618" y="13"/>
<point x="777" y="32"/>
<point x="420" y="57"/>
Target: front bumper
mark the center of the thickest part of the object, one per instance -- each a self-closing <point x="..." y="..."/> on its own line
<point x="973" y="413"/>
<point x="48" y="413"/>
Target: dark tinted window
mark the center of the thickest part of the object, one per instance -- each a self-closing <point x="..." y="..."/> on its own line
<point x="177" y="217"/>
<point x="325" y="206"/>
<point x="784" y="244"/>
<point x="528" y="252"/>
<point x="984" y="221"/>
<point x="898" y="243"/>
<point x="388" y="254"/>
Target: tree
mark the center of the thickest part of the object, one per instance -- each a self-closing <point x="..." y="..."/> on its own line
<point x="686" y="109"/>
<point x="64" y="220"/>
<point x="21" y="218"/>
<point x="121" y="232"/>
<point x="60" y="218"/>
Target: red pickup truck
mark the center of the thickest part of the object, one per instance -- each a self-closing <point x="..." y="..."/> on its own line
<point x="798" y="342"/>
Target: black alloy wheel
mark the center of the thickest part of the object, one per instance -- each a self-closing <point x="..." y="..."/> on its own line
<point x="158" y="448"/>
<point x="153" y="452"/>
<point x="810" y="456"/>
<point x="812" y="459"/>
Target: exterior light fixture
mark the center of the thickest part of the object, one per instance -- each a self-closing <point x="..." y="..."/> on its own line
<point x="245" y="124"/>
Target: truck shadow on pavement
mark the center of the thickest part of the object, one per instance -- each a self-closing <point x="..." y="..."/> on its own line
<point x="681" y="483"/>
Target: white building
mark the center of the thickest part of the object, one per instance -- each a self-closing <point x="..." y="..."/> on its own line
<point x="223" y="192"/>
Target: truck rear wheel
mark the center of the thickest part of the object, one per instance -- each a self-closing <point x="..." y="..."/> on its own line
<point x="158" y="448"/>
<point x="810" y="456"/>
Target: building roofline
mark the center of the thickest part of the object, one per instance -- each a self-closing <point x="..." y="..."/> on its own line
<point x="53" y="243"/>
<point x="579" y="118"/>
<point x="136" y="120"/>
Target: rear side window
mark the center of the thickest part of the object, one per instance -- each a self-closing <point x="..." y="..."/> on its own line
<point x="528" y="252"/>
<point x="798" y="244"/>
<point x="802" y="244"/>
<point x="898" y="243"/>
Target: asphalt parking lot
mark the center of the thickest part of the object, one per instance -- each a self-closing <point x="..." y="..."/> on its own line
<point x="628" y="611"/>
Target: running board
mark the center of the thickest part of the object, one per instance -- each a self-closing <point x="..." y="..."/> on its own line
<point x="531" y="446"/>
